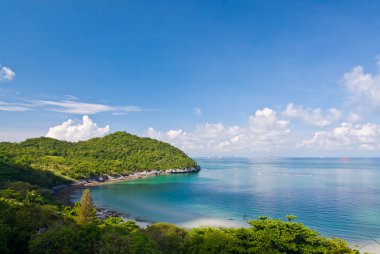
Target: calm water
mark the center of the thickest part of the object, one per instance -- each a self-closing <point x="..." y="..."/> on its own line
<point x="336" y="197"/>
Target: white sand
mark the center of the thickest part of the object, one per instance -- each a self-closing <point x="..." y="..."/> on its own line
<point x="372" y="248"/>
<point x="212" y="222"/>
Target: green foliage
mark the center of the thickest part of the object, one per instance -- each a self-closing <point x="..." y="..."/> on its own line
<point x="124" y="237"/>
<point x="27" y="193"/>
<point x="4" y="232"/>
<point x="86" y="210"/>
<point x="69" y="238"/>
<point x="21" y="221"/>
<point x="116" y="224"/>
<point x="210" y="240"/>
<point x="117" y="153"/>
<point x="118" y="242"/>
<point x="92" y="238"/>
<point x="168" y="237"/>
<point x="277" y="236"/>
<point x="290" y="217"/>
<point x="264" y="236"/>
<point x="12" y="172"/>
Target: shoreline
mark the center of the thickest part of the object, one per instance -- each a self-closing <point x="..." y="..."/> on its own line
<point x="64" y="192"/>
<point x="89" y="182"/>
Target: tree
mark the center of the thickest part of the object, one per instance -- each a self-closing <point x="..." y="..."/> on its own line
<point x="86" y="209"/>
<point x="4" y="231"/>
<point x="290" y="217"/>
<point x="169" y="238"/>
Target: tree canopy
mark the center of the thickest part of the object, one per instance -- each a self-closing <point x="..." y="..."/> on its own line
<point x="117" y="153"/>
<point x="86" y="210"/>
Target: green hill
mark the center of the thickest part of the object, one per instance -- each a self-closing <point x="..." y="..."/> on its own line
<point x="117" y="153"/>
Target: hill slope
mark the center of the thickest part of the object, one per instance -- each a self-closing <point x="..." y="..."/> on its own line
<point x="117" y="153"/>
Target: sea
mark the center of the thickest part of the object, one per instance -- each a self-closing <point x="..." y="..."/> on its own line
<point x="338" y="197"/>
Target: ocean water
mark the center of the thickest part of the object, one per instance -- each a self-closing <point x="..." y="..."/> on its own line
<point x="336" y="197"/>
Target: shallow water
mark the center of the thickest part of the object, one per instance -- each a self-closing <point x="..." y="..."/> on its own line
<point x="337" y="197"/>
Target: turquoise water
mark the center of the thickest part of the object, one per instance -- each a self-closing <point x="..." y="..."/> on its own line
<point x="337" y="197"/>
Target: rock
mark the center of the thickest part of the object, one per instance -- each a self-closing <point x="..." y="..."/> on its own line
<point x="185" y="170"/>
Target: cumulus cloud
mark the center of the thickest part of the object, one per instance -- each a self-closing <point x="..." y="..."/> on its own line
<point x="353" y="117"/>
<point x="69" y="131"/>
<point x="266" y="128"/>
<point x="264" y="132"/>
<point x="267" y="133"/>
<point x="174" y="133"/>
<point x="76" y="107"/>
<point x="363" y="87"/>
<point x="6" y="73"/>
<point x="312" y="116"/>
<point x="347" y="136"/>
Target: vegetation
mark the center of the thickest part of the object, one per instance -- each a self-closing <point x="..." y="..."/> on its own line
<point x="33" y="221"/>
<point x="86" y="210"/>
<point x="117" y="153"/>
<point x="290" y="217"/>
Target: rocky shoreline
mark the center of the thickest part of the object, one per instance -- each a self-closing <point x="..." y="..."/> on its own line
<point x="104" y="213"/>
<point x="122" y="177"/>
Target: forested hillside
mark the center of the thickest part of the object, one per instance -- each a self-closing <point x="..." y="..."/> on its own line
<point x="117" y="153"/>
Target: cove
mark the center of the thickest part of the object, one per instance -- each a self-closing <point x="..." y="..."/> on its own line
<point x="336" y="197"/>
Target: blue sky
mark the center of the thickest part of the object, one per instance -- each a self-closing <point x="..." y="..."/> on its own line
<point x="197" y="74"/>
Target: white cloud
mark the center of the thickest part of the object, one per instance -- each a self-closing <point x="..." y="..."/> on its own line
<point x="6" y="106"/>
<point x="265" y="128"/>
<point x="353" y="117"/>
<point x="198" y="111"/>
<point x="68" y="106"/>
<point x="174" y="133"/>
<point x="69" y="131"/>
<point x="75" y="107"/>
<point x="267" y="133"/>
<point x="363" y="87"/>
<point x="71" y="97"/>
<point x="6" y="73"/>
<point x="264" y="119"/>
<point x="347" y="136"/>
<point x="312" y="116"/>
<point x="264" y="132"/>
<point x="152" y="133"/>
<point x="13" y="108"/>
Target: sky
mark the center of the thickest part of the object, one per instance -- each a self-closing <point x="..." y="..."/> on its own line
<point x="214" y="78"/>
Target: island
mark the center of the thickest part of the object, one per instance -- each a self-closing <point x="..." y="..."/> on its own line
<point x="33" y="220"/>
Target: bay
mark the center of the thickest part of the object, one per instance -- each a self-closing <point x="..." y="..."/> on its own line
<point x="336" y="197"/>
